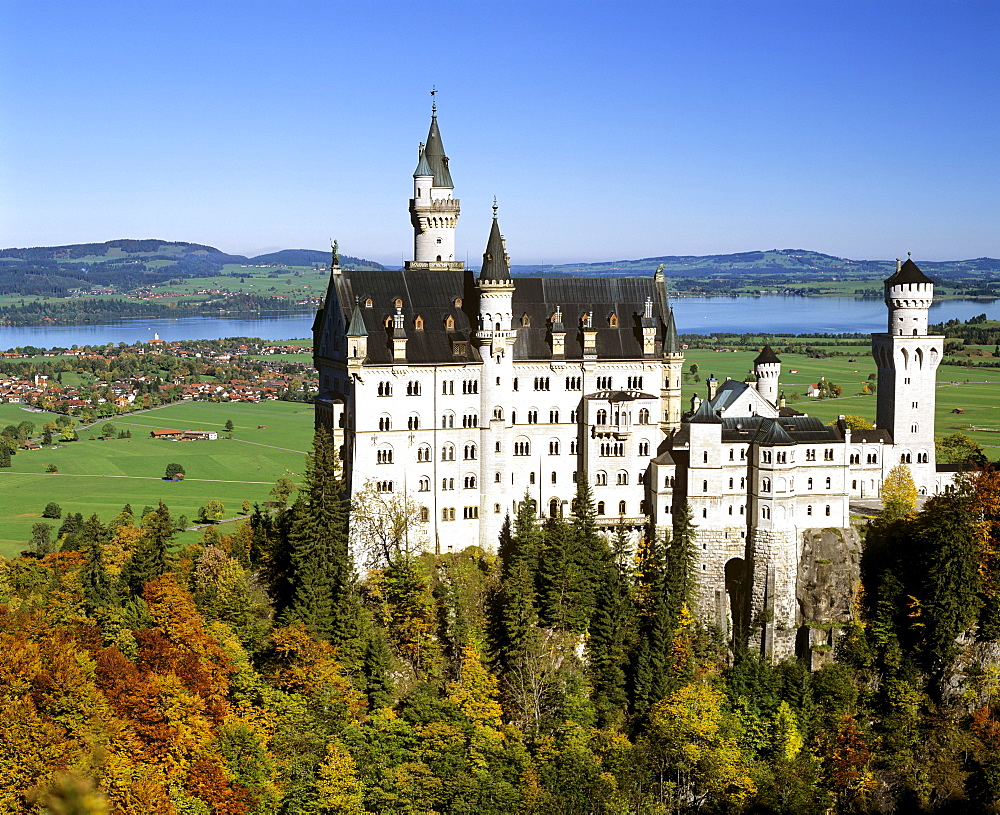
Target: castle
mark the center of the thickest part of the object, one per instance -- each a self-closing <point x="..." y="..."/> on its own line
<point x="464" y="391"/>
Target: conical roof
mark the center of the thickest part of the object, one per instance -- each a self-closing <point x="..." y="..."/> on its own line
<point x="671" y="343"/>
<point x="495" y="266"/>
<point x="705" y="414"/>
<point x="766" y="356"/>
<point x="908" y="273"/>
<point x="357" y="326"/>
<point x="770" y="434"/>
<point x="423" y="166"/>
<point x="434" y="153"/>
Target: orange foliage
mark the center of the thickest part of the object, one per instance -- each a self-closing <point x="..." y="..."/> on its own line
<point x="207" y="781"/>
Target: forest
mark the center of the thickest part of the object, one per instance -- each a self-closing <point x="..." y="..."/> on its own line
<point x="316" y="660"/>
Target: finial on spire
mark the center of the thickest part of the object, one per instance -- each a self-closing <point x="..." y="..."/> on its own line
<point x="909" y="254"/>
<point x="495" y="207"/>
<point x="434" y="107"/>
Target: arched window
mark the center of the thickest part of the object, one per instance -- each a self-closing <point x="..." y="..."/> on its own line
<point x="498" y="413"/>
<point x="425" y="484"/>
<point x="827" y="509"/>
<point x="554" y="447"/>
<point x="470" y="482"/>
<point x="448" y="452"/>
<point x="828" y="483"/>
<point x="385" y="389"/>
<point x="522" y="447"/>
<point x="704" y="457"/>
<point x="554" y="508"/>
<point x="765" y="513"/>
<point x="496" y="478"/>
<point x="621" y="507"/>
<point x="622" y="479"/>
<point x="424" y="452"/>
<point x="418" y="323"/>
<point x="601" y="478"/>
<point x="600" y="507"/>
<point x="424" y="515"/>
<point x="643" y="416"/>
<point x="384" y="455"/>
<point x="602" y="416"/>
<point x="470" y="451"/>
<point x="730" y="483"/>
<point x="413" y="422"/>
<point x="704" y="486"/>
<point x="398" y="303"/>
<point x="384" y="422"/>
<point x="644" y="448"/>
<point x="447" y="420"/>
<point x="369" y="303"/>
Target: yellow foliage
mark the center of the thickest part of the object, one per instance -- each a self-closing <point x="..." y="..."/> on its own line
<point x="337" y="782"/>
<point x="118" y="551"/>
<point x="788" y="739"/>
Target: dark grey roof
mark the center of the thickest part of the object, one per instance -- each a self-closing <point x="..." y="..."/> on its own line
<point x="357" y="326"/>
<point x="434" y="152"/>
<point x="787" y="412"/>
<point x="671" y="343"/>
<point x="908" y="273"/>
<point x="705" y="415"/>
<point x="423" y="167"/>
<point x="800" y="429"/>
<point x="619" y="396"/>
<point x="495" y="266"/>
<point x="664" y="458"/>
<point x="728" y="392"/>
<point x="871" y="436"/>
<point x="771" y="434"/>
<point x="766" y="356"/>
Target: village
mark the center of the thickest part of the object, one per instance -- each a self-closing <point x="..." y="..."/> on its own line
<point x="102" y="381"/>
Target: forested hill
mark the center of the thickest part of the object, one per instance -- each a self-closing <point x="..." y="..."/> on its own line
<point x="130" y="264"/>
<point x="774" y="262"/>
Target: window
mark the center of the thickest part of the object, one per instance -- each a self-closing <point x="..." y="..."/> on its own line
<point x="765" y="485"/>
<point x="765" y="513"/>
<point x="384" y="486"/>
<point x="385" y="389"/>
<point x="413" y="389"/>
<point x="384" y="422"/>
<point x="425" y="484"/>
<point x="855" y="458"/>
<point x="782" y="458"/>
<point x="448" y="388"/>
<point x="413" y="422"/>
<point x="384" y="455"/>
<point x="914" y="428"/>
<point x="604" y="383"/>
<point x="572" y="447"/>
<point x="470" y="452"/>
<point x="743" y="483"/>
<point x="730" y="483"/>
<point x="904" y="458"/>
<point x="621" y="507"/>
<point x="522" y="448"/>
<point x="921" y="458"/>
<point x="449" y="323"/>
<point x="470" y="386"/>
<point x="600" y="507"/>
<point x="496" y="509"/>
<point x="541" y="383"/>
<point x="704" y="486"/>
<point x="496" y="478"/>
<point x="810" y="455"/>
<point x="809" y="510"/>
<point x="828" y="483"/>
<point x="827" y="509"/>
<point x="470" y="420"/>
<point x="369" y="303"/>
<point x="553" y="417"/>
<point x="496" y="447"/>
<point x="447" y="483"/>
<point x="425" y="515"/>
<point x="424" y="452"/>
<point x="732" y="454"/>
<point x="640" y="478"/>
<point x="531" y="477"/>
<point x="554" y="447"/>
<point x="644" y="448"/>
<point x="532" y="417"/>
<point x="447" y="420"/>
<point x="601" y="479"/>
<point x="643" y="415"/>
<point x="765" y="456"/>
<point x="448" y="514"/>
<point x="622" y="478"/>
<point x="872" y="458"/>
<point x="704" y="457"/>
<point x="574" y="383"/>
<point x="515" y="383"/>
<point x="854" y="484"/>
<point x="418" y="321"/>
<point x="602" y="416"/>
<point x="635" y="384"/>
<point x="448" y="452"/>
<point x="470" y="482"/>
<point x="828" y="454"/>
<point x="498" y="413"/>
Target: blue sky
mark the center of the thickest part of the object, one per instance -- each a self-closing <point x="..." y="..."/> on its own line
<point x="606" y="130"/>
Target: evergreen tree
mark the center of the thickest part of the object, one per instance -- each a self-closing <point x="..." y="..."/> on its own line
<point x="594" y="558"/>
<point x="71" y="525"/>
<point x="657" y="614"/>
<point x="4" y="457"/>
<point x="610" y="629"/>
<point x="564" y="598"/>
<point x="151" y="558"/>
<point x="98" y="590"/>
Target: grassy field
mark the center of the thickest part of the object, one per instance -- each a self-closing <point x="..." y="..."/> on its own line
<point x="101" y="476"/>
<point x="976" y="391"/>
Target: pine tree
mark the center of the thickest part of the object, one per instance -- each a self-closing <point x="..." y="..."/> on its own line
<point x="594" y="558"/>
<point x="98" y="590"/>
<point x="657" y="619"/>
<point x="152" y="556"/>
<point x="564" y="598"/>
<point x="610" y="629"/>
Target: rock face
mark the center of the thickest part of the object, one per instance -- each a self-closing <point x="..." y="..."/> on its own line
<point x="829" y="574"/>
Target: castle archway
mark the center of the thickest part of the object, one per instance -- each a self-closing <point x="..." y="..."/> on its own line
<point x="736" y="593"/>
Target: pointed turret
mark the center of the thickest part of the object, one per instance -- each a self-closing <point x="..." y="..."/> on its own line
<point x="357" y="337"/>
<point x="671" y="342"/>
<point x="767" y="370"/>
<point x="496" y="264"/>
<point x="357" y="326"/>
<point x="434" y="153"/>
<point x="423" y="166"/>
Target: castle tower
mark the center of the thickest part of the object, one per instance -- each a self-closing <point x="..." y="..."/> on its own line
<point x="495" y="340"/>
<point x="907" y="358"/>
<point x="673" y="362"/>
<point x="433" y="211"/>
<point x="767" y="369"/>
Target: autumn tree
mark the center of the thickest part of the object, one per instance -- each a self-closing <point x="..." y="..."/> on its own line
<point x="958" y="448"/>
<point x="899" y="494"/>
<point x="213" y="512"/>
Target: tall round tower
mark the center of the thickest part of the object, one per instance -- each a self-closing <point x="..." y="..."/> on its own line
<point x="908" y="294"/>
<point x="767" y="369"/>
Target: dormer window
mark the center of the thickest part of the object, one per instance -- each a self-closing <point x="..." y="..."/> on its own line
<point x="449" y="323"/>
<point x="525" y="320"/>
<point x="613" y="321"/>
<point x="369" y="303"/>
<point x="418" y="323"/>
<point x="458" y="302"/>
<point x="388" y="322"/>
<point x="398" y="303"/>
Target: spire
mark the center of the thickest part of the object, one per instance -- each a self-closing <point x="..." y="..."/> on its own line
<point x="671" y="342"/>
<point x="907" y="272"/>
<point x="767" y="355"/>
<point x="423" y="168"/>
<point x="357" y="326"/>
<point x="495" y="261"/>
<point x="437" y="161"/>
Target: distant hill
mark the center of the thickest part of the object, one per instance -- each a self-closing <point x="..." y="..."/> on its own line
<point x="802" y="263"/>
<point x="130" y="264"/>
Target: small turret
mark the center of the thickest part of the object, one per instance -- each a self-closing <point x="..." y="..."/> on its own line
<point x="398" y="337"/>
<point x="558" y="335"/>
<point x="909" y="294"/>
<point x="357" y="336"/>
<point x="767" y="369"/>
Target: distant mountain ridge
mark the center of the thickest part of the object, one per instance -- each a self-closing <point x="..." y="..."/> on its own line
<point x="128" y="264"/>
<point x="801" y="262"/>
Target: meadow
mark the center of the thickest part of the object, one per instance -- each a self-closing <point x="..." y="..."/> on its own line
<point x="101" y="476"/>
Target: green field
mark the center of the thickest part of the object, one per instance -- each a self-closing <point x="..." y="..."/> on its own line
<point x="976" y="391"/>
<point x="101" y="476"/>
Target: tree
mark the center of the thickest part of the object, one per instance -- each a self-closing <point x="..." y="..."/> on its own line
<point x="229" y="427"/>
<point x="212" y="512"/>
<point x="899" y="494"/>
<point x="51" y="468"/>
<point x="959" y="449"/>
<point x="282" y="490"/>
<point x="857" y="422"/>
<point x="41" y="539"/>
<point x="385" y="527"/>
<point x="174" y="469"/>
<point x="4" y="457"/>
<point x="107" y="429"/>
<point x="47" y="437"/>
<point x="52" y="510"/>
<point x="151" y="558"/>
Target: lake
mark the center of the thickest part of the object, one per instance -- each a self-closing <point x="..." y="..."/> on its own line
<point x="771" y="314"/>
